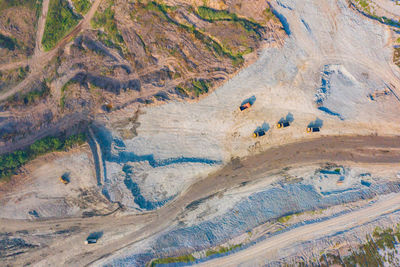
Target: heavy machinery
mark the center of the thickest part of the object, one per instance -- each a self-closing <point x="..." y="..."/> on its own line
<point x="377" y="94"/>
<point x="313" y="129"/>
<point x="64" y="179"/>
<point x="282" y="124"/>
<point x="258" y="133"/>
<point x="245" y="106"/>
<point x="91" y="241"/>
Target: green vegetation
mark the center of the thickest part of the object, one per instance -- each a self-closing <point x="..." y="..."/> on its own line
<point x="13" y="76"/>
<point x="163" y="10"/>
<point x="82" y="6"/>
<point x="8" y="42"/>
<point x="29" y="97"/>
<point x="184" y="258"/>
<point x="396" y="56"/>
<point x="106" y="20"/>
<point x="5" y="4"/>
<point x="268" y="14"/>
<point x="284" y="219"/>
<point x="211" y="15"/>
<point x="11" y="162"/>
<point x="376" y="251"/>
<point x="59" y="21"/>
<point x="197" y="87"/>
<point x="364" y="6"/>
<point x="222" y="250"/>
<point x="200" y="87"/>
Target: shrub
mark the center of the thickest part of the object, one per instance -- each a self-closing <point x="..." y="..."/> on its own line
<point x="81" y="6"/>
<point x="11" y="162"/>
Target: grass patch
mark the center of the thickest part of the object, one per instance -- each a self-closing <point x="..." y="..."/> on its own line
<point x="106" y="20"/>
<point x="213" y="45"/>
<point x="59" y="21"/>
<point x="82" y="6"/>
<point x="285" y="219"/>
<point x="13" y="76"/>
<point x="184" y="258"/>
<point x="222" y="250"/>
<point x="212" y="15"/>
<point x="200" y="87"/>
<point x="29" y="98"/>
<point x="5" y="4"/>
<point x="11" y="162"/>
<point x="396" y="56"/>
<point x="62" y="99"/>
<point x="370" y="253"/>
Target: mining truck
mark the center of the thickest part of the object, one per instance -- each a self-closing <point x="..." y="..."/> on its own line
<point x="313" y="129"/>
<point x="245" y="106"/>
<point x="64" y="179"/>
<point x="282" y="124"/>
<point x="258" y="133"/>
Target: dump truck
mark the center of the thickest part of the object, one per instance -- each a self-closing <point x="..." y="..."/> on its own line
<point x="245" y="106"/>
<point x="258" y="133"/>
<point x="91" y="241"/>
<point x="282" y="124"/>
<point x="313" y="129"/>
<point x="64" y="179"/>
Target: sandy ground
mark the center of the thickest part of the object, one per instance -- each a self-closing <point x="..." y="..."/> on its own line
<point x="184" y="152"/>
<point x="118" y="229"/>
<point x="40" y="194"/>
<point x="324" y="74"/>
<point x="309" y="232"/>
<point x="389" y="6"/>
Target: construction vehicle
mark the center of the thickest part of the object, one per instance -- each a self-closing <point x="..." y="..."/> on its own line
<point x="313" y="129"/>
<point x="258" y="133"/>
<point x="91" y="241"/>
<point x="64" y="179"/>
<point x="282" y="124"/>
<point x="245" y="106"/>
<point x="93" y="237"/>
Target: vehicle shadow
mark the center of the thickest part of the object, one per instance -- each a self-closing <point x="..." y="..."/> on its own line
<point x="250" y="100"/>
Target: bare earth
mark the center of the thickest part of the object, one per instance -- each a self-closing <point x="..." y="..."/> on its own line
<point x="120" y="230"/>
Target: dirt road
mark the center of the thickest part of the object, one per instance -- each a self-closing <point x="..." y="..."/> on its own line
<point x="122" y="230"/>
<point x="309" y="232"/>
<point x="41" y="58"/>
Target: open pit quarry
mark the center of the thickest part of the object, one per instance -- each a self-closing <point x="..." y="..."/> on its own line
<point x="176" y="178"/>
